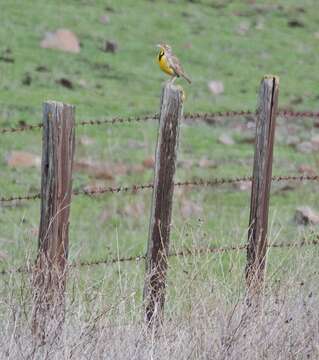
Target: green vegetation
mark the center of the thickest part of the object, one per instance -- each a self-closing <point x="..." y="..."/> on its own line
<point x="235" y="42"/>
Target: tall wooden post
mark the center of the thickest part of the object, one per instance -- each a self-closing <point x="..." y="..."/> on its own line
<point x="162" y="200"/>
<point x="262" y="172"/>
<point x="49" y="275"/>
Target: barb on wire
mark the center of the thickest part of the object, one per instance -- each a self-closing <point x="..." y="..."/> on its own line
<point x="139" y="187"/>
<point x="218" y="114"/>
<point x="298" y="114"/>
<point x="118" y="120"/>
<point x="206" y="116"/>
<point x="181" y="253"/>
<point x="16" y="198"/>
<point x="20" y="128"/>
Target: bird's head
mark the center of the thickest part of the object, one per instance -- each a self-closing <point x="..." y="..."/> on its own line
<point x="164" y="47"/>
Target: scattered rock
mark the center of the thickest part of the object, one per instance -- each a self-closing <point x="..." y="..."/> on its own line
<point x="109" y="9"/>
<point x="27" y="79"/>
<point x="104" y="19"/>
<point x="291" y="140"/>
<point x="296" y="100"/>
<point x="242" y="28"/>
<point x="135" y="169"/>
<point x="242" y="185"/>
<point x="106" y="171"/>
<point x="207" y="163"/>
<point x="7" y="59"/>
<point x="304" y="147"/>
<point x="315" y="142"/>
<point x="6" y="56"/>
<point x="134" y="210"/>
<point x="86" y="140"/>
<point x="186" y="163"/>
<point x="22" y="123"/>
<point x="306" y="170"/>
<point x="18" y="159"/>
<point x="110" y="46"/>
<point x="304" y="215"/>
<point x="295" y="23"/>
<point x="249" y="139"/>
<point x="283" y="188"/>
<point x="82" y="83"/>
<point x="265" y="8"/>
<point x="301" y="9"/>
<point x="216" y="87"/>
<point x="186" y="14"/>
<point x="202" y="163"/>
<point x="226" y="139"/>
<point x="62" y="39"/>
<point x="149" y="163"/>
<point x="65" y="83"/>
<point x="41" y="68"/>
<point x="95" y="169"/>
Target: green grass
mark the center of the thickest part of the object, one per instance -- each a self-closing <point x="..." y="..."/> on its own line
<point x="205" y="37"/>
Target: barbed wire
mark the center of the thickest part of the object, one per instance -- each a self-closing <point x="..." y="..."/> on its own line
<point x="190" y="116"/>
<point x="139" y="187"/>
<point x="180" y="253"/>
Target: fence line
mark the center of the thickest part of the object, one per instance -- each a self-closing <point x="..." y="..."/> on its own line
<point x="165" y="164"/>
<point x="181" y="253"/>
<point x="140" y="187"/>
<point x="192" y="116"/>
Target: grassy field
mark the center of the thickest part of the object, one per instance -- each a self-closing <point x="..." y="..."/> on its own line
<point x="235" y="42"/>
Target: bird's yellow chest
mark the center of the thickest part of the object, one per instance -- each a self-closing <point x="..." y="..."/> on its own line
<point x="164" y="64"/>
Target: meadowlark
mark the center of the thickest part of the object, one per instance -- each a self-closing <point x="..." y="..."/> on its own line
<point x="170" y="64"/>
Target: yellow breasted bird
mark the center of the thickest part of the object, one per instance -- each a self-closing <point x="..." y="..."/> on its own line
<point x="169" y="63"/>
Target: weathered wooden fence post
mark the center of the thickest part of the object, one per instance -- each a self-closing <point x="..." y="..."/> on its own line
<point x="162" y="200"/>
<point x="49" y="274"/>
<point x="262" y="172"/>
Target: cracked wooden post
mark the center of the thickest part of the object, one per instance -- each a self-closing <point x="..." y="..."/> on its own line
<point x="162" y="200"/>
<point x="262" y="172"/>
<point x="49" y="275"/>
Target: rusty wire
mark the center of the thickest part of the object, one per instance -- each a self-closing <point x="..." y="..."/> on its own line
<point x="138" y="187"/>
<point x="191" y="116"/>
<point x="181" y="253"/>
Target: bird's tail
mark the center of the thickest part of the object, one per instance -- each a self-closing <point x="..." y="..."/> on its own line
<point x="187" y="78"/>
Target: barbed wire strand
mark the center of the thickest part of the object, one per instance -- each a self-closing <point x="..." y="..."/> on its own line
<point x="139" y="187"/>
<point x="181" y="253"/>
<point x="191" y="116"/>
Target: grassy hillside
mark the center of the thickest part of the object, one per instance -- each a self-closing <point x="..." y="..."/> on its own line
<point x="235" y="42"/>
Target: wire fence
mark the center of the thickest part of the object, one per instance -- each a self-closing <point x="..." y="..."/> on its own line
<point x="186" y="252"/>
<point x="140" y="187"/>
<point x="206" y="116"/>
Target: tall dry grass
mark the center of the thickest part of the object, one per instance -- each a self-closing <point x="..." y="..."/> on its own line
<point x="206" y="315"/>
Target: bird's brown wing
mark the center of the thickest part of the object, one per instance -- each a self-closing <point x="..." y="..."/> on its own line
<point x="177" y="67"/>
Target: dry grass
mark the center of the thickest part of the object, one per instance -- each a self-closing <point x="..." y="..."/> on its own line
<point x="206" y="313"/>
